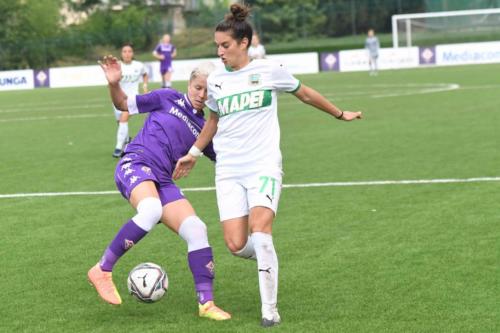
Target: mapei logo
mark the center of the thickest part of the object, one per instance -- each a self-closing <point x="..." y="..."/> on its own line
<point x="244" y="101"/>
<point x="12" y="81"/>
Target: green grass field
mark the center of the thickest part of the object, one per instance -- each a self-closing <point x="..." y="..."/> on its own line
<point x="365" y="258"/>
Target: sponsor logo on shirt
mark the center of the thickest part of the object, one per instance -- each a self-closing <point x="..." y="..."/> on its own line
<point x="174" y="111"/>
<point x="254" y="79"/>
<point x="245" y="101"/>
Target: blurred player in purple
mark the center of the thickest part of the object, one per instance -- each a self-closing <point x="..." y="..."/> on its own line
<point x="165" y="52"/>
<point x="144" y="178"/>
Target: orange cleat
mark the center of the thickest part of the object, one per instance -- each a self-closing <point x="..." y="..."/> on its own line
<point x="103" y="283"/>
<point x="211" y="311"/>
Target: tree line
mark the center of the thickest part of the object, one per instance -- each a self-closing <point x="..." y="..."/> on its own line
<point x="32" y="36"/>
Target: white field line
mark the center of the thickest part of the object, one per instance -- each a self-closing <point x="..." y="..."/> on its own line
<point x="414" y="89"/>
<point x="54" y="108"/>
<point x="437" y="88"/>
<point x="306" y="185"/>
<point x="77" y="116"/>
<point x="409" y="89"/>
<point x="47" y="104"/>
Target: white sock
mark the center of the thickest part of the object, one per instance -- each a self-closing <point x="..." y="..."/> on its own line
<point x="121" y="135"/>
<point x="267" y="264"/>
<point x="247" y="252"/>
<point x="194" y="232"/>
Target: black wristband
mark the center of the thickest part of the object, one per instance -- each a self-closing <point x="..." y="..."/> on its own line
<point x="341" y="115"/>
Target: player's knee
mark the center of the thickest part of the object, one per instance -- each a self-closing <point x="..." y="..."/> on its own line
<point x="245" y="252"/>
<point x="194" y="232"/>
<point x="235" y="244"/>
<point x="149" y="211"/>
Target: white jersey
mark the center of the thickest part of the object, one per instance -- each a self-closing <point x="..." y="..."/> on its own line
<point x="132" y="74"/>
<point x="248" y="133"/>
<point x="372" y="45"/>
<point x="257" y="52"/>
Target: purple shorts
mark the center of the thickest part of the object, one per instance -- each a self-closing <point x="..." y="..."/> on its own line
<point x="132" y="170"/>
<point x="165" y="69"/>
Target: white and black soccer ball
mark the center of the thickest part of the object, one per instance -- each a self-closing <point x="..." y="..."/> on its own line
<point x="148" y="282"/>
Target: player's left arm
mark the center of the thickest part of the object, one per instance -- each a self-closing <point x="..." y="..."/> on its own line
<point x="310" y="96"/>
<point x="174" y="53"/>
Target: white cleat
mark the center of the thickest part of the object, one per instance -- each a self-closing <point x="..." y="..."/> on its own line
<point x="271" y="320"/>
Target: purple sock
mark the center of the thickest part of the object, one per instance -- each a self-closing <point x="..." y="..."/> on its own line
<point x="201" y="264"/>
<point x="129" y="235"/>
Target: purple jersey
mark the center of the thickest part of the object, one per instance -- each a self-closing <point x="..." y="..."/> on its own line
<point x="168" y="133"/>
<point x="170" y="129"/>
<point x="166" y="50"/>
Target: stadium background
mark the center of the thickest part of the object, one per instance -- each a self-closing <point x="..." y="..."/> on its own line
<point x="51" y="33"/>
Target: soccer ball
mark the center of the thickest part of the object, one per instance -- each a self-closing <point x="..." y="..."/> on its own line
<point x="148" y="282"/>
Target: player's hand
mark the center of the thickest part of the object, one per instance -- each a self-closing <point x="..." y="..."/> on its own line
<point x="184" y="166"/>
<point x="112" y="68"/>
<point x="348" y="115"/>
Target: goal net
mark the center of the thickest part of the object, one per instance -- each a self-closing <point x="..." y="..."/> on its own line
<point x="445" y="27"/>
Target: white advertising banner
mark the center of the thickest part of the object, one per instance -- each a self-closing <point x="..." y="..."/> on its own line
<point x="297" y="63"/>
<point x="80" y="76"/>
<point x="466" y="54"/>
<point x="300" y="63"/>
<point x="389" y="58"/>
<point x="181" y="69"/>
<point x="17" y="80"/>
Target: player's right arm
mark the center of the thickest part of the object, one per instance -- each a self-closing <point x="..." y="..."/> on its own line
<point x="187" y="162"/>
<point x="113" y="72"/>
<point x="157" y="54"/>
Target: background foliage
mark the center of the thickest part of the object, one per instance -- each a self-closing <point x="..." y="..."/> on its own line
<point x="32" y="34"/>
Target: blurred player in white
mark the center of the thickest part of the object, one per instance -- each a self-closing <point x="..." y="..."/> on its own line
<point x="372" y="45"/>
<point x="133" y="72"/>
<point x="246" y="137"/>
<point x="256" y="50"/>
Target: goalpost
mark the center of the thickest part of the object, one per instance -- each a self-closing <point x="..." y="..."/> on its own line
<point x="469" y="25"/>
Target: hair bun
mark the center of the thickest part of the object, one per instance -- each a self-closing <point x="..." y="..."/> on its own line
<point x="239" y="12"/>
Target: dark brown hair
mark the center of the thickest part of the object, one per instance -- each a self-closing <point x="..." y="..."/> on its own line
<point x="236" y="22"/>
<point x="129" y="44"/>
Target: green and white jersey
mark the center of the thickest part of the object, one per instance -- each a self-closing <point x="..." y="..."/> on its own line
<point x="248" y="133"/>
<point x="132" y="74"/>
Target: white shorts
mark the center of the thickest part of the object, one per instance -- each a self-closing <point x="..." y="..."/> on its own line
<point x="237" y="195"/>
